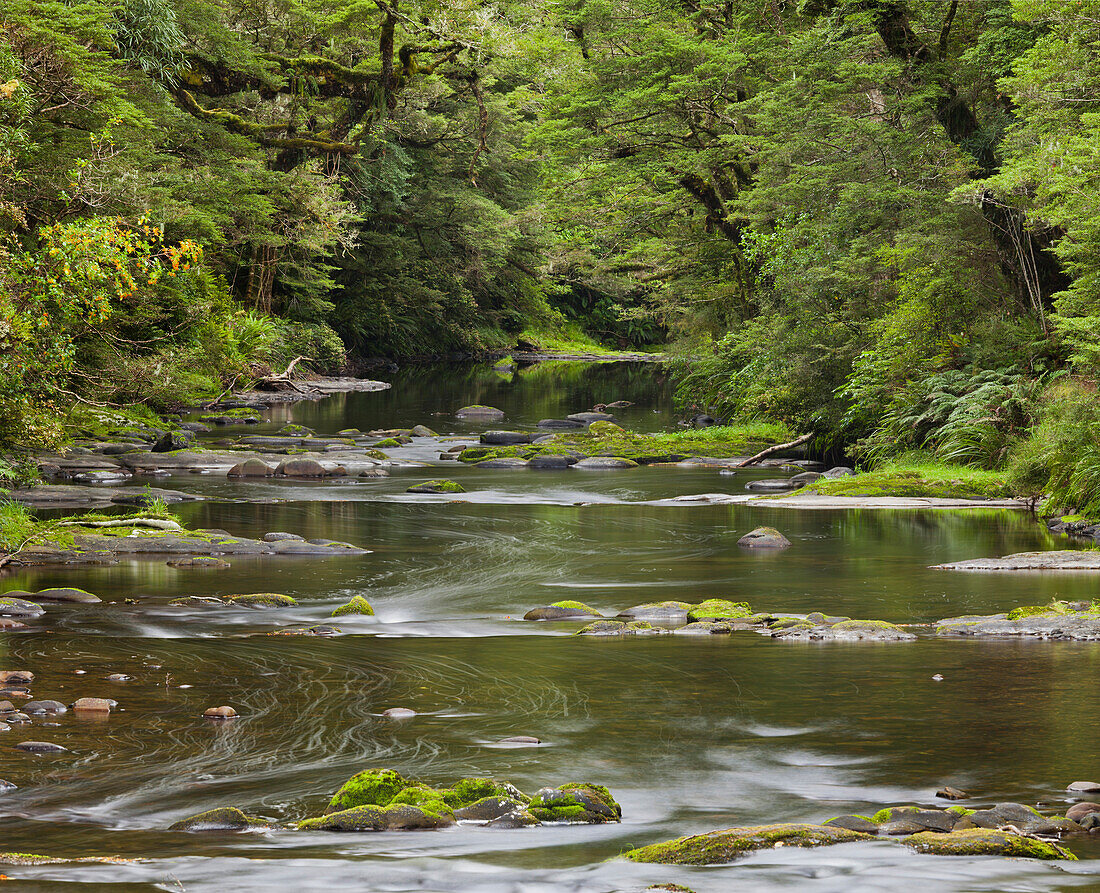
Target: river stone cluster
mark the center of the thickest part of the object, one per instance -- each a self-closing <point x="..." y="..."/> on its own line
<point x="716" y="616"/>
<point x="1007" y="829"/>
<point x="1057" y="620"/>
<point x="384" y="800"/>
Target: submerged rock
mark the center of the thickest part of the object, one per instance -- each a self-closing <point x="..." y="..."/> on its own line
<point x="720" y="847"/>
<point x="221" y="818"/>
<point x="262" y="600"/>
<point x="40" y="747"/>
<point x="658" y="612"/>
<point x="764" y="538"/>
<point x="18" y="607"/>
<point x="616" y="628"/>
<point x="605" y="462"/>
<point x="983" y="842"/>
<point x="575" y="803"/>
<point x="67" y="594"/>
<point x="357" y="605"/>
<point x="565" y="610"/>
<point x="480" y="412"/>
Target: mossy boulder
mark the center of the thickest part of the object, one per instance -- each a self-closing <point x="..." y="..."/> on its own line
<point x="764" y="538"/>
<point x="221" y="818"/>
<point x="427" y="798"/>
<point x="262" y="600"/>
<point x="357" y="605"/>
<point x="67" y="594"/>
<point x="922" y="819"/>
<point x="719" y="609"/>
<point x="846" y="631"/>
<point x="488" y="808"/>
<point x="985" y="842"/>
<point x="440" y="485"/>
<point x="860" y="823"/>
<point x="371" y="787"/>
<point x="1055" y="608"/>
<point x="616" y="628"/>
<point x="480" y="412"/>
<point x="575" y="803"/>
<point x="720" y="847"/>
<point x="387" y="443"/>
<point x="295" y="431"/>
<point x="19" y="607"/>
<point x="467" y="791"/>
<point x="605" y="429"/>
<point x="564" y="610"/>
<point x="660" y="612"/>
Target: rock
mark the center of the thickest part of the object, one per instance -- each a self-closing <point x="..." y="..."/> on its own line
<point x="859" y="823"/>
<point x="302" y="468"/>
<point x="371" y="787"/>
<point x="657" y="612"/>
<point x="251" y="468"/>
<point x="504" y="438"/>
<point x="40" y="747"/>
<point x="703" y="420"/>
<point x="520" y="819"/>
<point x="1079" y="810"/>
<point x="225" y="712"/>
<point x="66" y="594"/>
<point x="563" y="424"/>
<point x="922" y="819"/>
<point x="566" y="610"/>
<point x="1059" y="620"/>
<point x="981" y="842"/>
<point x="221" y="818"/>
<point x="721" y="847"/>
<point x="423" y="431"/>
<point x="719" y="609"/>
<point x="306" y="631"/>
<point x="172" y="441"/>
<point x="16" y="677"/>
<point x="849" y="631"/>
<point x="94" y="705"/>
<point x="615" y="628"/>
<point x="17" y="718"/>
<point x="49" y="707"/>
<point x="357" y="605"/>
<point x="806" y="477"/>
<point x="295" y="431"/>
<point x="199" y="561"/>
<point x="520" y="741"/>
<point x="704" y="628"/>
<point x="119" y="677"/>
<point x="1065" y="559"/>
<point x="198" y="601"/>
<point x="575" y="804"/>
<point x="478" y="412"/>
<point x="764" y="538"/>
<point x="399" y="713"/>
<point x="7" y="707"/>
<point x="591" y="417"/>
<point x="280" y="537"/>
<point x="262" y="600"/>
<point x="501" y="463"/>
<point x="840" y="471"/>
<point x="488" y="808"/>
<point x="440" y="485"/>
<point x="1078" y="787"/>
<point x="1019" y="816"/>
<point x="949" y="793"/>
<point x="771" y="485"/>
<point x="599" y="462"/>
<point x="18" y="607"/>
<point x="559" y="463"/>
<point x="374" y="818"/>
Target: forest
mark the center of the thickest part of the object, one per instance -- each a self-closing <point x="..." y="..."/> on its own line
<point x="871" y="220"/>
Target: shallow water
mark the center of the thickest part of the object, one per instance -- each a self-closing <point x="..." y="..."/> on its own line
<point x="690" y="734"/>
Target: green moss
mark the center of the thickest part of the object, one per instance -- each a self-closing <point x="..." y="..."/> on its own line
<point x="890" y="813"/>
<point x="428" y="799"/>
<point x="720" y="847"/>
<point x="605" y="429"/>
<point x="262" y="600"/>
<point x="358" y="818"/>
<point x="929" y="480"/>
<point x="867" y="625"/>
<point x="371" y="787"/>
<point x="960" y="810"/>
<point x="375" y="454"/>
<point x="558" y="813"/>
<point x="985" y="842"/>
<point x="790" y="623"/>
<point x="1055" y="607"/>
<point x="439" y="485"/>
<point x="357" y="605"/>
<point x="387" y="443"/>
<point x="721" y="609"/>
<point x="576" y="606"/>
<point x="467" y="791"/>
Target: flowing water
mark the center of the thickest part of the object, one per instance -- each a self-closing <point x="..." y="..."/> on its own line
<point x="690" y="733"/>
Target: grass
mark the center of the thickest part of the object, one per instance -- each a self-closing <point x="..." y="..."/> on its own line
<point x="17" y="526"/>
<point x="925" y="478"/>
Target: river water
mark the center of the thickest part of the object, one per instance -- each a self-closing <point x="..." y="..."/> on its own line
<point x="691" y="734"/>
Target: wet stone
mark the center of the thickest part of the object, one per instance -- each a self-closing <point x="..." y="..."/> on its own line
<point x="521" y="741"/>
<point x="222" y="818"/>
<point x="764" y="538"/>
<point x="949" y="793"/>
<point x="67" y="594"/>
<point x="224" y="712"/>
<point x="94" y="705"/>
<point x="16" y="677"/>
<point x="18" y="607"/>
<point x="398" y="713"/>
<point x="46" y="706"/>
<point x="40" y="747"/>
<point x="19" y="718"/>
<point x="1078" y="811"/>
<point x="1084" y="787"/>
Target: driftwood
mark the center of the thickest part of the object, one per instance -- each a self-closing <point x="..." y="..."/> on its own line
<point x="772" y="450"/>
<point x="279" y="380"/>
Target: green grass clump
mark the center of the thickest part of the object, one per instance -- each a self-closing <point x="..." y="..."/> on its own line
<point x="17" y="526"/>
<point x="928" y="479"/>
<point x="576" y="606"/>
<point x="1055" y="607"/>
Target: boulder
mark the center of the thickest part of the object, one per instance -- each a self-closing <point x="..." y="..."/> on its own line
<point x="1081" y="787"/>
<point x="302" y="468"/>
<point x="221" y="818"/>
<point x="502" y="463"/>
<point x="982" y="842"/>
<point x="251" y="468"/>
<point x="504" y="438"/>
<point x="478" y="412"/>
<point x="172" y="441"/>
<point x="721" y="847"/>
<point x="262" y="600"/>
<point x="199" y="561"/>
<point x="657" y="612"/>
<point x="616" y="628"/>
<point x="566" y="610"/>
<point x="848" y="631"/>
<point x="924" y="819"/>
<point x="1079" y="810"/>
<point x="591" y="417"/>
<point x="278" y="536"/>
<point x="575" y="803"/>
<point x="440" y="485"/>
<point x="67" y="594"/>
<point x="840" y="471"/>
<point x="423" y="431"/>
<point x="371" y="787"/>
<point x="764" y="538"/>
<point x="18" y="607"/>
<point x="605" y="462"/>
<point x="552" y="462"/>
<point x="563" y="424"/>
<point x="357" y="605"/>
<point x="771" y="485"/>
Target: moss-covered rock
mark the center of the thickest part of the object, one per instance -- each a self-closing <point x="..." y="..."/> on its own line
<point x="660" y="612"/>
<point x="221" y="818"/>
<point x="720" y="847"/>
<point x="575" y="803"/>
<point x="764" y="538"/>
<point x="427" y="798"/>
<point x="357" y="605"/>
<point x="262" y="600"/>
<point x="1055" y="607"/>
<point x="847" y="631"/>
<point x="564" y="610"/>
<point x="616" y="628"/>
<point x="440" y="485"/>
<point x="488" y="808"/>
<point x="719" y="609"/>
<point x="358" y="818"/>
<point x="371" y="787"/>
<point x="466" y="791"/>
<point x="985" y="842"/>
<point x="387" y="443"/>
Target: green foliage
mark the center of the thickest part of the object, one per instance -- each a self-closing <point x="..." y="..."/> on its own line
<point x="17" y="526"/>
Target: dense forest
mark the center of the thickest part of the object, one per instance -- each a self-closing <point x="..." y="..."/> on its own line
<point x="873" y="220"/>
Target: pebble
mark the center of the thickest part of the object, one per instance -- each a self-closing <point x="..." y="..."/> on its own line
<point x="17" y="677"/>
<point x="224" y="712"/>
<point x="937" y="677"/>
<point x="50" y="707"/>
<point x="7" y="785"/>
<point x="40" y="747"/>
<point x="17" y="718"/>
<point x="119" y="677"/>
<point x="7" y="707"/>
<point x="520" y="740"/>
<point x="949" y="793"/>
<point x="398" y="713"/>
<point x="80" y="672"/>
